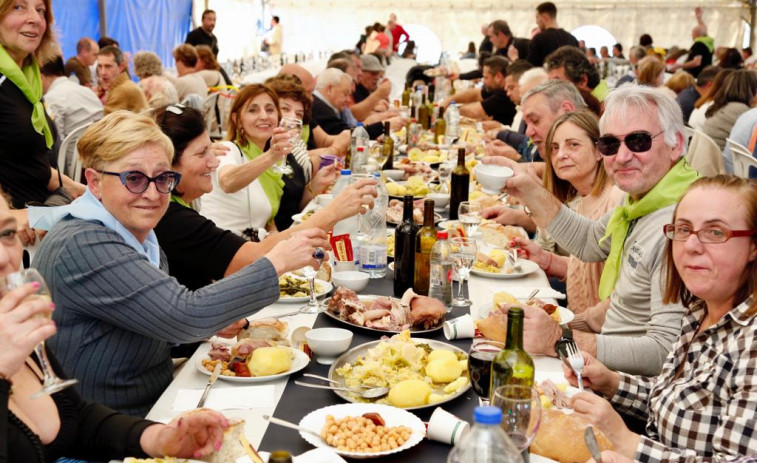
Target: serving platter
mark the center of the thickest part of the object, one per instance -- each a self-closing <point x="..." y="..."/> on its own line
<point x="373" y="297"/>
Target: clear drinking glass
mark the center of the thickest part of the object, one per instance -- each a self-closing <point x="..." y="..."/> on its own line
<point x="294" y="126"/>
<point x="354" y="178"/>
<point x="480" y="357"/>
<point x="463" y="255"/>
<point x="469" y="214"/>
<point x="377" y="154"/>
<point x="313" y="306"/>
<point x="52" y="383"/>
<point x="445" y="170"/>
<point x="521" y="413"/>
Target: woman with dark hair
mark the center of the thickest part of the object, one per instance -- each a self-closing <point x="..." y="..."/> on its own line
<point x="471" y="52"/>
<point x="734" y="98"/>
<point x="198" y="251"/>
<point x="703" y="404"/>
<point x="206" y="61"/>
<point x="731" y="59"/>
<point x="698" y="115"/>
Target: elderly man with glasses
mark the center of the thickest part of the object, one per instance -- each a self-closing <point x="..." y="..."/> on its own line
<point x="642" y="144"/>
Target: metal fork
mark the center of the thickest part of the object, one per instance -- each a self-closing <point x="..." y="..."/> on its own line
<point x="576" y="363"/>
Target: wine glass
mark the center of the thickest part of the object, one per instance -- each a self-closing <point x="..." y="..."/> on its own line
<point x="294" y="126"/>
<point x="377" y="154"/>
<point x="521" y="412"/>
<point x="445" y="170"/>
<point x="52" y="383"/>
<point x="313" y="306"/>
<point x="463" y="255"/>
<point x="480" y="357"/>
<point x="469" y="214"/>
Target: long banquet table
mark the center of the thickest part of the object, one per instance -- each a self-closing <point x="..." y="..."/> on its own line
<point x="292" y="402"/>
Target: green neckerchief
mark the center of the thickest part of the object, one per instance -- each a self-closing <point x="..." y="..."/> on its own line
<point x="708" y="42"/>
<point x="305" y="133"/>
<point x="179" y="200"/>
<point x="667" y="191"/>
<point x="272" y="184"/>
<point x="28" y="80"/>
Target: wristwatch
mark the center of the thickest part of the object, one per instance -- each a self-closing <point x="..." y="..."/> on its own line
<point x="562" y="343"/>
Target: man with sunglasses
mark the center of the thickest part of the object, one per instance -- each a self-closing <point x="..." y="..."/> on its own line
<point x="642" y="145"/>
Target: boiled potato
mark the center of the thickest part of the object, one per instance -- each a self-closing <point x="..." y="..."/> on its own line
<point x="409" y="393"/>
<point x="456" y="385"/>
<point x="395" y="189"/>
<point x="267" y="361"/>
<point x="503" y="297"/>
<point x="444" y="370"/>
<point x="441" y="354"/>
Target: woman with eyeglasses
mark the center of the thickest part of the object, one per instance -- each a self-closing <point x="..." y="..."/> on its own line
<point x="118" y="310"/>
<point x="198" y="251"/>
<point x="703" y="405"/>
<point x="574" y="173"/>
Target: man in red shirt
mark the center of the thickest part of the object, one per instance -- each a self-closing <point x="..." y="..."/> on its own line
<point x="397" y="32"/>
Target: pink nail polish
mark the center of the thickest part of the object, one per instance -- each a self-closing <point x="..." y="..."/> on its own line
<point x="35" y="284"/>
<point x="218" y="445"/>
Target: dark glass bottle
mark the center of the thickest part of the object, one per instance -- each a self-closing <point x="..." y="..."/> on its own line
<point x="404" y="249"/>
<point x="406" y="96"/>
<point x="387" y="147"/>
<point x="440" y="127"/>
<point x="459" y="184"/>
<point x="512" y="365"/>
<point x="423" y="116"/>
<point x="424" y="241"/>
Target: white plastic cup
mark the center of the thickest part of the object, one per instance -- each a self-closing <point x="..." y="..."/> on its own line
<point x="445" y="427"/>
<point x="459" y="328"/>
<point x="345" y="265"/>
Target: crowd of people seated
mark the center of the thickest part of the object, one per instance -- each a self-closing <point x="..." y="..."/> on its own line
<point x="171" y="237"/>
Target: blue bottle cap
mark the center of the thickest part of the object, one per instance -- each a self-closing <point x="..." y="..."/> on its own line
<point x="345" y="172"/>
<point x="487" y="414"/>
<point x="359" y="124"/>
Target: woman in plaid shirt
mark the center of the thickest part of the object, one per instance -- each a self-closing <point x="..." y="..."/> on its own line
<point x="703" y="405"/>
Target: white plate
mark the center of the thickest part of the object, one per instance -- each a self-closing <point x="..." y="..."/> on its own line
<point x="327" y="287"/>
<point x="527" y="266"/>
<point x="482" y="311"/>
<point x="299" y="362"/>
<point x="391" y="266"/>
<point x="392" y="415"/>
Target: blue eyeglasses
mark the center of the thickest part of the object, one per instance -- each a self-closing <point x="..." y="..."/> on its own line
<point x="137" y="182"/>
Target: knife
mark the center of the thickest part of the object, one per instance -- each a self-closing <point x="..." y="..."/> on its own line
<point x="591" y="442"/>
<point x="213" y="378"/>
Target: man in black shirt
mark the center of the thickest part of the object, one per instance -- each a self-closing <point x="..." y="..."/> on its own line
<point x="700" y="54"/>
<point x="203" y="35"/>
<point x="502" y="39"/>
<point x="550" y="38"/>
<point x="493" y="101"/>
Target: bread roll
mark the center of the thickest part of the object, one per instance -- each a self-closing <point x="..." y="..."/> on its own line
<point x="268" y="329"/>
<point x="561" y="438"/>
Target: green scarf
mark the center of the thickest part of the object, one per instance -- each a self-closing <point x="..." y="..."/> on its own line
<point x="28" y="80"/>
<point x="179" y="200"/>
<point x="666" y="192"/>
<point x="305" y="133"/>
<point x="272" y="184"/>
<point x="708" y="42"/>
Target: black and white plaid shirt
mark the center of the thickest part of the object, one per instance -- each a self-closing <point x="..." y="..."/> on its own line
<point x="708" y="412"/>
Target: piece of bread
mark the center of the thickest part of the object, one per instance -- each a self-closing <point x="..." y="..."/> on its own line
<point x="561" y="437"/>
<point x="232" y="447"/>
<point x="268" y="329"/>
<point x="324" y="273"/>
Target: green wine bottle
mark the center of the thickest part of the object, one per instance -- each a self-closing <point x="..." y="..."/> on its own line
<point x="512" y="365"/>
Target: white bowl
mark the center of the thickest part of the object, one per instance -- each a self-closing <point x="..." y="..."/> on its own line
<point x="492" y="177"/>
<point x="356" y="281"/>
<point x="328" y="343"/>
<point x="441" y="200"/>
<point x="394" y="174"/>
<point x="324" y="199"/>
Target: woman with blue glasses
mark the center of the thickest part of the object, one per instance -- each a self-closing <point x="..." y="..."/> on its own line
<point x="118" y="311"/>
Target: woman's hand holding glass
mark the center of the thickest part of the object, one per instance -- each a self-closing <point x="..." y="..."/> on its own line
<point x="297" y="251"/>
<point x="193" y="434"/>
<point x="323" y="178"/>
<point x="354" y="198"/>
<point x="293" y="127"/>
<point x="280" y="145"/>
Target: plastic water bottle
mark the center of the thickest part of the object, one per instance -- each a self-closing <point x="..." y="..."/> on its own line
<point x="359" y="160"/>
<point x="359" y="138"/>
<point x="373" y="245"/>
<point x="486" y="442"/>
<point x="348" y="226"/>
<point x="440" y="274"/>
<point x="344" y="180"/>
<point x="452" y="118"/>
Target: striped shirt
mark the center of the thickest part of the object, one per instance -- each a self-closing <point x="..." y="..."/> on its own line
<point x="709" y="411"/>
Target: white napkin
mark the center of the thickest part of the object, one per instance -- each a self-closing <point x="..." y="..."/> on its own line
<point x="226" y="398"/>
<point x="522" y="292"/>
<point x="317" y="455"/>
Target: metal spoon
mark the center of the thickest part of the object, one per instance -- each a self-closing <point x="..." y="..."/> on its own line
<point x="302" y="310"/>
<point x="323" y="378"/>
<point x="372" y="393"/>
<point x="532" y="295"/>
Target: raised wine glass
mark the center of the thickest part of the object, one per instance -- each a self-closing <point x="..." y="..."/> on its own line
<point x="52" y="383"/>
<point x="469" y="214"/>
<point x="521" y="412"/>
<point x="294" y="127"/>
<point x="480" y="357"/>
<point x="313" y="306"/>
<point x="463" y="255"/>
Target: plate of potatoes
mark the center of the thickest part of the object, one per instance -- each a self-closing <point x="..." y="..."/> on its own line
<point x="263" y="364"/>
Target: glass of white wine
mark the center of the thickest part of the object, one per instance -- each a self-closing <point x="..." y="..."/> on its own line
<point x="469" y="214"/>
<point x="294" y="126"/>
<point x="463" y="255"/>
<point x="52" y="383"/>
<point x="377" y="154"/>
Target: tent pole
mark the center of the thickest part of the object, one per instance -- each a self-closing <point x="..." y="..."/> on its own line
<point x="103" y="20"/>
<point x="753" y="17"/>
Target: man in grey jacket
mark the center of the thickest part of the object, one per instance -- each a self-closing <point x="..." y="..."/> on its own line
<point x="642" y="145"/>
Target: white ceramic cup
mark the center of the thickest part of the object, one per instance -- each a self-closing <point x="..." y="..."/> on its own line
<point x="445" y="427"/>
<point x="459" y="328"/>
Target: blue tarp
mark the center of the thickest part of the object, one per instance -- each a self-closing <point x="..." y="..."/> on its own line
<point x="155" y="25"/>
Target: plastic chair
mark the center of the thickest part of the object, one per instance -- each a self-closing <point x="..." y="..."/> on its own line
<point x="209" y="114"/>
<point x="704" y="154"/>
<point x="68" y="154"/>
<point x="194" y="101"/>
<point x="742" y="158"/>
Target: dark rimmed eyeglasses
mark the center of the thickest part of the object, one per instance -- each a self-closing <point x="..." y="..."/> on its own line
<point x="137" y="182"/>
<point x="712" y="234"/>
<point x="638" y="142"/>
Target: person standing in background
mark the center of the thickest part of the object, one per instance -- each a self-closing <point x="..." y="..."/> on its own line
<point x="203" y="35"/>
<point x="397" y="32"/>
<point x="277" y="37"/>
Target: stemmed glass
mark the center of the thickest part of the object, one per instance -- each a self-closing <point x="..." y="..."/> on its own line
<point x="294" y="126"/>
<point x="469" y="214"/>
<point x="313" y="306"/>
<point x="463" y="255"/>
<point x="52" y="383"/>
<point x="445" y="170"/>
<point x="480" y="357"/>
<point x="377" y="154"/>
<point x="521" y="413"/>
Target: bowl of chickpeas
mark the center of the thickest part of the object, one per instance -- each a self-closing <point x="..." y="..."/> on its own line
<point x="363" y="430"/>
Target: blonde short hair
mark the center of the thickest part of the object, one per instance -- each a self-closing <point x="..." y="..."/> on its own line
<point x="119" y="134"/>
<point x="47" y="48"/>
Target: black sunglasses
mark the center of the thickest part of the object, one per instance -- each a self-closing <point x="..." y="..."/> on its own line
<point x="638" y="142"/>
<point x="137" y="182"/>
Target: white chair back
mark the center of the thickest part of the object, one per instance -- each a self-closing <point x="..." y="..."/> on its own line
<point x="704" y="155"/>
<point x="209" y="113"/>
<point x="742" y="158"/>
<point x="68" y="155"/>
